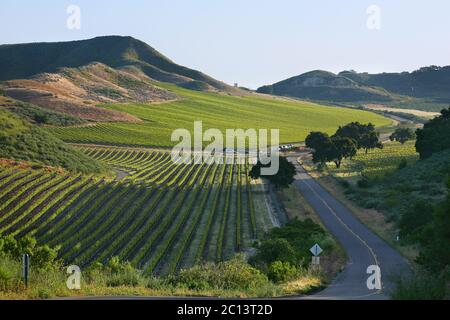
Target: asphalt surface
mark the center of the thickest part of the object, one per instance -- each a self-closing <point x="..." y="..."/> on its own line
<point x="362" y="246"/>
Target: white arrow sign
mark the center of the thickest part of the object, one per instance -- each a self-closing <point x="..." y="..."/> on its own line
<point x="316" y="250"/>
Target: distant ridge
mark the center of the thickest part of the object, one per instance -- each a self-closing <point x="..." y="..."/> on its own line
<point x="430" y="83"/>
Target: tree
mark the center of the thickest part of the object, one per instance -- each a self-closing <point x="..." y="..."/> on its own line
<point x="322" y="145"/>
<point x="435" y="135"/>
<point x="283" y="178"/>
<point x="333" y="149"/>
<point x="364" y="135"/>
<point x="342" y="148"/>
<point x="402" y="135"/>
<point x="370" y="141"/>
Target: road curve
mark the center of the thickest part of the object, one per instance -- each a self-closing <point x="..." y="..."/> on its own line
<point x="362" y="246"/>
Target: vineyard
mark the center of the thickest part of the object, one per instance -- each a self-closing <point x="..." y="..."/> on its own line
<point x="378" y="162"/>
<point x="157" y="214"/>
<point x="295" y="119"/>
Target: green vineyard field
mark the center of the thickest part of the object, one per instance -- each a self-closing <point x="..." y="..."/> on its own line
<point x="295" y="119"/>
<point x="157" y="214"/>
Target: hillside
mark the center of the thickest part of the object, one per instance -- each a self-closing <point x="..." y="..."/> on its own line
<point x="74" y="77"/>
<point x="20" y="61"/>
<point x="323" y="85"/>
<point x="425" y="89"/>
<point x="429" y="82"/>
<point x="295" y="119"/>
<point x="21" y="141"/>
<point x="78" y="91"/>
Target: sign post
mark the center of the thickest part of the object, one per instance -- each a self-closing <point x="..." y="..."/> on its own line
<point x="26" y="268"/>
<point x="316" y="250"/>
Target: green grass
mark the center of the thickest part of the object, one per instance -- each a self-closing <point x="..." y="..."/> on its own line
<point x="295" y="119"/>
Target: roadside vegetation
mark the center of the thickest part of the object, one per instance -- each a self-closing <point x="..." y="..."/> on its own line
<point x="413" y="196"/>
<point x="270" y="273"/>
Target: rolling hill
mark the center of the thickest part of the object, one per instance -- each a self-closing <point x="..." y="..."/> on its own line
<point x="427" y="88"/>
<point x="73" y="77"/>
<point x="323" y="85"/>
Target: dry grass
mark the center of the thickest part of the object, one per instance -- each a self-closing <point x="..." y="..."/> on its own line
<point x="419" y="113"/>
<point x="77" y="91"/>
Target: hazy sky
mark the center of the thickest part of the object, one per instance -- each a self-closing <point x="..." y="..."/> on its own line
<point x="248" y="41"/>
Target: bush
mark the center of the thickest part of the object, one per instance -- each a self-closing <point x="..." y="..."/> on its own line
<point x="421" y="287"/>
<point x="42" y="257"/>
<point x="403" y="164"/>
<point x="413" y="221"/>
<point x="363" y="183"/>
<point x="235" y="274"/>
<point x="344" y="183"/>
<point x="290" y="243"/>
<point x="282" y="271"/>
<point x="272" y="250"/>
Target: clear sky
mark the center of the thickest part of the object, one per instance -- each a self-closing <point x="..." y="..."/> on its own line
<point x="252" y="42"/>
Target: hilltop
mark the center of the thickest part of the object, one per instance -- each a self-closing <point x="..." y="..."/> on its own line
<point x="426" y="88"/>
<point x="324" y="85"/>
<point x="19" y="61"/>
<point x="74" y="77"/>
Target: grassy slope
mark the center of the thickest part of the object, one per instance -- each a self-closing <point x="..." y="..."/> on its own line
<point x="22" y="141"/>
<point x="295" y="119"/>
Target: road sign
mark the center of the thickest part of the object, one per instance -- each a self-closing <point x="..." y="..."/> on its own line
<point x="315" y="261"/>
<point x="316" y="250"/>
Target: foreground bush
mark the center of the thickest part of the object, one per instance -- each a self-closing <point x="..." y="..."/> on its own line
<point x="235" y="274"/>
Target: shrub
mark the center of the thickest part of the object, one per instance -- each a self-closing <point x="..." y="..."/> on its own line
<point x="413" y="220"/>
<point x="42" y="257"/>
<point x="272" y="250"/>
<point x="282" y="271"/>
<point x="235" y="274"/>
<point x="403" y="164"/>
<point x="344" y="183"/>
<point x="363" y="183"/>
<point x="289" y="243"/>
<point x="420" y="287"/>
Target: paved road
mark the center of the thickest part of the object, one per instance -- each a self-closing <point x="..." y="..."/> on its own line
<point x="362" y="246"/>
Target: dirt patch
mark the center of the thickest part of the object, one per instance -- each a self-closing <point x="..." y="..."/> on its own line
<point x="78" y="91"/>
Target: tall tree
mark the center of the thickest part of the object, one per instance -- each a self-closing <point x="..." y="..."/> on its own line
<point x="343" y="148"/>
<point x="322" y="145"/>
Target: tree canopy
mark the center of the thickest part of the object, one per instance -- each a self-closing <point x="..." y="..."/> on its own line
<point x="402" y="135"/>
<point x="364" y="135"/>
<point x="283" y="178"/>
<point x="435" y="135"/>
